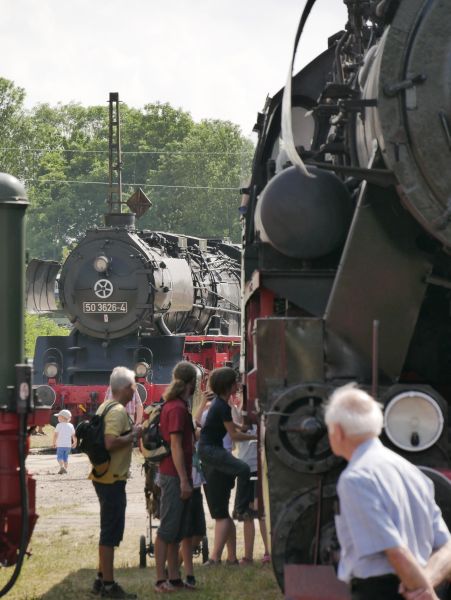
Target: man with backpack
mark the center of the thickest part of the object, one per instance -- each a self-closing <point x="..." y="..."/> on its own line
<point x="110" y="478"/>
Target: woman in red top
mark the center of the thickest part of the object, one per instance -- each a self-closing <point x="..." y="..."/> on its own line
<point x="176" y="428"/>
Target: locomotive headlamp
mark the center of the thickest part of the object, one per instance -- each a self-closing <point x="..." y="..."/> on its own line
<point x="101" y="263"/>
<point x="51" y="370"/>
<point x="141" y="369"/>
<point x="413" y="421"/>
<point x="45" y="395"/>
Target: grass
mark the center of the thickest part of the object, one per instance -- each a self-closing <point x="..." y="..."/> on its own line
<point x="64" y="545"/>
<point x="63" y="568"/>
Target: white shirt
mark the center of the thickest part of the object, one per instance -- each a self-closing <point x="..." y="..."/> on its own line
<point x="247" y="451"/>
<point x="64" y="431"/>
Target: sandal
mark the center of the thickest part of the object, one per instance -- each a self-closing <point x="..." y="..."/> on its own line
<point x="244" y="562"/>
<point x="232" y="563"/>
<point x="164" y="587"/>
<point x="266" y="559"/>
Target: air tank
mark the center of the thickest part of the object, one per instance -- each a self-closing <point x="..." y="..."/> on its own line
<point x="304" y="217"/>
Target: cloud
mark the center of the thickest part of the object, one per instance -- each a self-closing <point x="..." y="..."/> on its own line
<point x="215" y="59"/>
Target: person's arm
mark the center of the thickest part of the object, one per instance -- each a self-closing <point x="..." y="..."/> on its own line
<point x="115" y="442"/>
<point x="439" y="565"/>
<point x="55" y="437"/>
<point x="74" y="440"/>
<point x="206" y="398"/>
<point x="236" y="434"/>
<point x="139" y="412"/>
<point x="179" y="462"/>
<point x="437" y="570"/>
<point x="411" y="574"/>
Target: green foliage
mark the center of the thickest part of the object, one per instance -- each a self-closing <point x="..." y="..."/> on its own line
<point x="35" y="326"/>
<point x="66" y="144"/>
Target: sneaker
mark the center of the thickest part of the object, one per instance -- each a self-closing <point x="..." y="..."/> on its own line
<point x="190" y="582"/>
<point x="116" y="591"/>
<point x="61" y="471"/>
<point x="211" y="563"/>
<point x="164" y="587"/>
<point x="232" y="563"/>
<point x="97" y="586"/>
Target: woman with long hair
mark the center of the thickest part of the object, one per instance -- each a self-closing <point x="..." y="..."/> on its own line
<point x="176" y="428"/>
<point x="220" y="466"/>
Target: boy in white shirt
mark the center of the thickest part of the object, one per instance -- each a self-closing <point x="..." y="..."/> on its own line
<point x="64" y="439"/>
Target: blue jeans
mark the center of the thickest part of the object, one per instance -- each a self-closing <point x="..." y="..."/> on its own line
<point x="62" y="454"/>
<point x="217" y="459"/>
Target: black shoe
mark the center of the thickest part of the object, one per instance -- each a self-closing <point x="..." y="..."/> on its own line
<point x="97" y="586"/>
<point x="116" y="591"/>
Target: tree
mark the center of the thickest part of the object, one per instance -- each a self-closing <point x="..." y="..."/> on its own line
<point x="14" y="128"/>
<point x="61" y="152"/>
<point x="35" y="326"/>
<point x="213" y="155"/>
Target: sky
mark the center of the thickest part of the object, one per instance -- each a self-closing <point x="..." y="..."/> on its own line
<point x="216" y="59"/>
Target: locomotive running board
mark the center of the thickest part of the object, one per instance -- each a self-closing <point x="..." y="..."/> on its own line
<point x="40" y="286"/>
<point x="308" y="582"/>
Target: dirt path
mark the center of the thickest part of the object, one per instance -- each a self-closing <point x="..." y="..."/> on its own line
<point x="70" y="501"/>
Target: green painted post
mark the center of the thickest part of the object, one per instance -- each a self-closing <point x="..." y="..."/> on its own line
<point x="13" y="204"/>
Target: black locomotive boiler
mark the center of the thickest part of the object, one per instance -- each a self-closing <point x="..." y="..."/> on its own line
<point x="134" y="297"/>
<point x="347" y="268"/>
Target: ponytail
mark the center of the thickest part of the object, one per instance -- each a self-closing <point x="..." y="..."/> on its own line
<point x="183" y="374"/>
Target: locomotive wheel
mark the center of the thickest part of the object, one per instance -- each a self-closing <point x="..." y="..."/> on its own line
<point x="142" y="552"/>
<point x="205" y="552"/>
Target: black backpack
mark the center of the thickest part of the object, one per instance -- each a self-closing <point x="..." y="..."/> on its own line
<point x="155" y="446"/>
<point x="91" y="440"/>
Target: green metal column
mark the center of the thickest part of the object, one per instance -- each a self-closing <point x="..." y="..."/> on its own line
<point x="13" y="204"/>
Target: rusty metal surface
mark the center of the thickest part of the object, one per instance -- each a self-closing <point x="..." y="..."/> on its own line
<point x="289" y="351"/>
<point x="307" y="582"/>
<point x="139" y="203"/>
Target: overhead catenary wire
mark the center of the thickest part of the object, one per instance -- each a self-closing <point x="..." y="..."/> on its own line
<point x="142" y="185"/>
<point x="133" y="152"/>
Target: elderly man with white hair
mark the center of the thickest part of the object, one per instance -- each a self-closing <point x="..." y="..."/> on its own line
<point x="388" y="523"/>
<point x="109" y="481"/>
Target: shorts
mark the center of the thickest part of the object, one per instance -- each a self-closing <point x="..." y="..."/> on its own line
<point x="197" y="526"/>
<point x="253" y="489"/>
<point x="113" y="501"/>
<point x="62" y="454"/>
<point x="175" y="513"/>
<point x="217" y="492"/>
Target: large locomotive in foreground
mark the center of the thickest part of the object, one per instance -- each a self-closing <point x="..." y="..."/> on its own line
<point x="347" y="263"/>
<point x="137" y="298"/>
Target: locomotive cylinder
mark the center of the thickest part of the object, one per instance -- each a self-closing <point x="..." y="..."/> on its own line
<point x="13" y="204"/>
<point x="304" y="217"/>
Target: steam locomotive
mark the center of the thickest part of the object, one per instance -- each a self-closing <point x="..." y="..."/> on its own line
<point x="138" y="298"/>
<point x="347" y="269"/>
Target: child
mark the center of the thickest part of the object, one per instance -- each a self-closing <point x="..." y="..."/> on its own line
<point x="64" y="439"/>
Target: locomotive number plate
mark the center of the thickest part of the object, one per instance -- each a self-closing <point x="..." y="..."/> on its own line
<point x="105" y="307"/>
